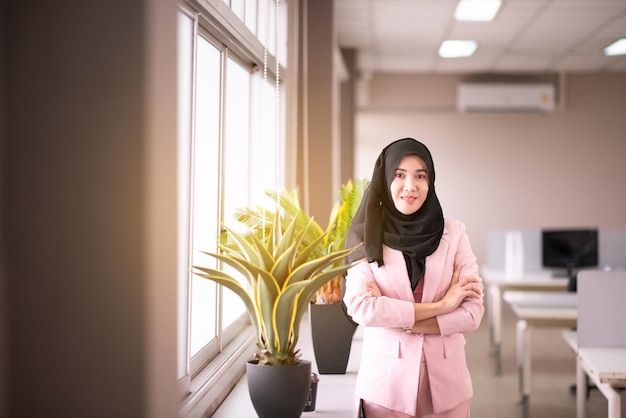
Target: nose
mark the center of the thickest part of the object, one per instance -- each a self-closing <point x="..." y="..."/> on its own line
<point x="410" y="184"/>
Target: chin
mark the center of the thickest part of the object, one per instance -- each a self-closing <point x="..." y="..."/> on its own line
<point x="408" y="211"/>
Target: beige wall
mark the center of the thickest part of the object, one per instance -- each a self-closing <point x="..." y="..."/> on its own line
<point x="88" y="197"/>
<point x="320" y="111"/>
<point x="565" y="168"/>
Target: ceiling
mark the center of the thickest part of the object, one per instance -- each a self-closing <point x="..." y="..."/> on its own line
<point x="527" y="36"/>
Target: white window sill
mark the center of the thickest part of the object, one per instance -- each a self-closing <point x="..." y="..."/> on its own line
<point x="213" y="384"/>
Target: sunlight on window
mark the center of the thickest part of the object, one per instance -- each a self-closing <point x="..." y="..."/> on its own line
<point x="185" y="37"/>
<point x="236" y="165"/>
<point x="229" y="154"/>
<point x="205" y="190"/>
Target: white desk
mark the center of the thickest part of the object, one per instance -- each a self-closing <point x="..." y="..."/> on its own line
<point x="497" y="282"/>
<point x="605" y="367"/>
<point x="537" y="309"/>
<point x="570" y="338"/>
<point x="601" y="337"/>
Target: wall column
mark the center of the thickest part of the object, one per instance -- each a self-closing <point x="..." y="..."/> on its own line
<point x="319" y="80"/>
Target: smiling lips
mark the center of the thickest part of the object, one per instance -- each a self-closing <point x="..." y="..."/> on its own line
<point x="409" y="199"/>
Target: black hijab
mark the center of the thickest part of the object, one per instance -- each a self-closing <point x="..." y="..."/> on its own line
<point x="378" y="222"/>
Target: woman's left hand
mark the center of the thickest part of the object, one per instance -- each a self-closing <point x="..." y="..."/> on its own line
<point x="467" y="287"/>
<point x="373" y="289"/>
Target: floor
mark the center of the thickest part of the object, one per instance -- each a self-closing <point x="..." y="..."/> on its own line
<point x="495" y="396"/>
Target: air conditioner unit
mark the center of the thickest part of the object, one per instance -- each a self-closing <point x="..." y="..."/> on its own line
<point x="501" y="97"/>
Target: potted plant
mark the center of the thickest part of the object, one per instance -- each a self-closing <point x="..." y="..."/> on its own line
<point x="338" y="224"/>
<point x="280" y="275"/>
<point x="332" y="329"/>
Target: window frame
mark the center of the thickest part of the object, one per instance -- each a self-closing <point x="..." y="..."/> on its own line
<point x="203" y="379"/>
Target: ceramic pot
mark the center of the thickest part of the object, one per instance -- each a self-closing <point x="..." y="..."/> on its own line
<point x="331" y="331"/>
<point x="279" y="391"/>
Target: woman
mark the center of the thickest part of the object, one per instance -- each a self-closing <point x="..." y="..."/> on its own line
<point x="416" y="291"/>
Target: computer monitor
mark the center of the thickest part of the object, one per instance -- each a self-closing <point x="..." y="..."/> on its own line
<point x="569" y="248"/>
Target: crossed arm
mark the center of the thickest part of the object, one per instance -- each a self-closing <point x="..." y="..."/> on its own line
<point x="426" y="313"/>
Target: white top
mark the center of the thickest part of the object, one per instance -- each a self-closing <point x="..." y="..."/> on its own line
<point x="571" y="339"/>
<point x="528" y="277"/>
<point x="609" y="364"/>
<point x="541" y="299"/>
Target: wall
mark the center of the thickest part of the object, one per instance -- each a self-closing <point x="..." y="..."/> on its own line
<point x="320" y="111"/>
<point x="4" y="347"/>
<point x="611" y="250"/>
<point x="321" y="119"/>
<point x="88" y="209"/>
<point x="508" y="171"/>
<point x="347" y="116"/>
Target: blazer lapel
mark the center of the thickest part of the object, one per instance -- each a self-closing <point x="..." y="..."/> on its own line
<point x="435" y="265"/>
<point x="396" y="273"/>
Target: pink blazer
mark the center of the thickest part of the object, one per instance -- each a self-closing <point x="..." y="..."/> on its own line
<point x="390" y="360"/>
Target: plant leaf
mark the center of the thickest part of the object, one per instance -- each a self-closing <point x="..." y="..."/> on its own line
<point x="231" y="283"/>
<point x="244" y="247"/>
<point x="305" y="270"/>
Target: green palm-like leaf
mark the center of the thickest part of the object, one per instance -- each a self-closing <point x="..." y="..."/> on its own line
<point x="289" y="203"/>
<point x="237" y="263"/>
<point x="262" y="284"/>
<point x="311" y="251"/>
<point x="283" y="260"/>
<point x="260" y="221"/>
<point x="339" y="222"/>
<point x="282" y="267"/>
<point x="245" y="248"/>
<point x="292" y="303"/>
<point x="343" y="212"/>
<point x="265" y="256"/>
<point x="286" y="252"/>
<point x="231" y="283"/>
<point x="306" y="270"/>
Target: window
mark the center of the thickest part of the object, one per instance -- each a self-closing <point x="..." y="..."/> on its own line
<point x="229" y="155"/>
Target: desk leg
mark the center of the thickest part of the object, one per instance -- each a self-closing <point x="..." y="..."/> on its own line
<point x="613" y="397"/>
<point x="495" y="318"/>
<point x="489" y="309"/>
<point x="523" y="363"/>
<point x="581" y="390"/>
<point x="614" y="405"/>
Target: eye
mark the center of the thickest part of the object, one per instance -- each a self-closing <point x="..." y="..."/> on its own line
<point x="399" y="174"/>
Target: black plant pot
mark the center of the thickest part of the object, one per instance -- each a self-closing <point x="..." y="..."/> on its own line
<point x="331" y="331"/>
<point x="279" y="391"/>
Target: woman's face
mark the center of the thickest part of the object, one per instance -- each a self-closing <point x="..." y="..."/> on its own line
<point x="409" y="186"/>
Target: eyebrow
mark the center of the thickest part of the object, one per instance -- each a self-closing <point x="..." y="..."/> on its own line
<point x="417" y="171"/>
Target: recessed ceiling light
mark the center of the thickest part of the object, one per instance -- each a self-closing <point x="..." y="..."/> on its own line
<point x="477" y="10"/>
<point x="456" y="49"/>
<point x="616" y="48"/>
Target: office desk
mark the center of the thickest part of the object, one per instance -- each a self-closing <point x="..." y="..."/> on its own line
<point x="570" y="338"/>
<point x="601" y="337"/>
<point x="497" y="282"/>
<point x="606" y="367"/>
<point x="537" y="309"/>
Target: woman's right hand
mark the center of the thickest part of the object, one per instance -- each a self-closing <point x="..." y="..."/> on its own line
<point x="468" y="287"/>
